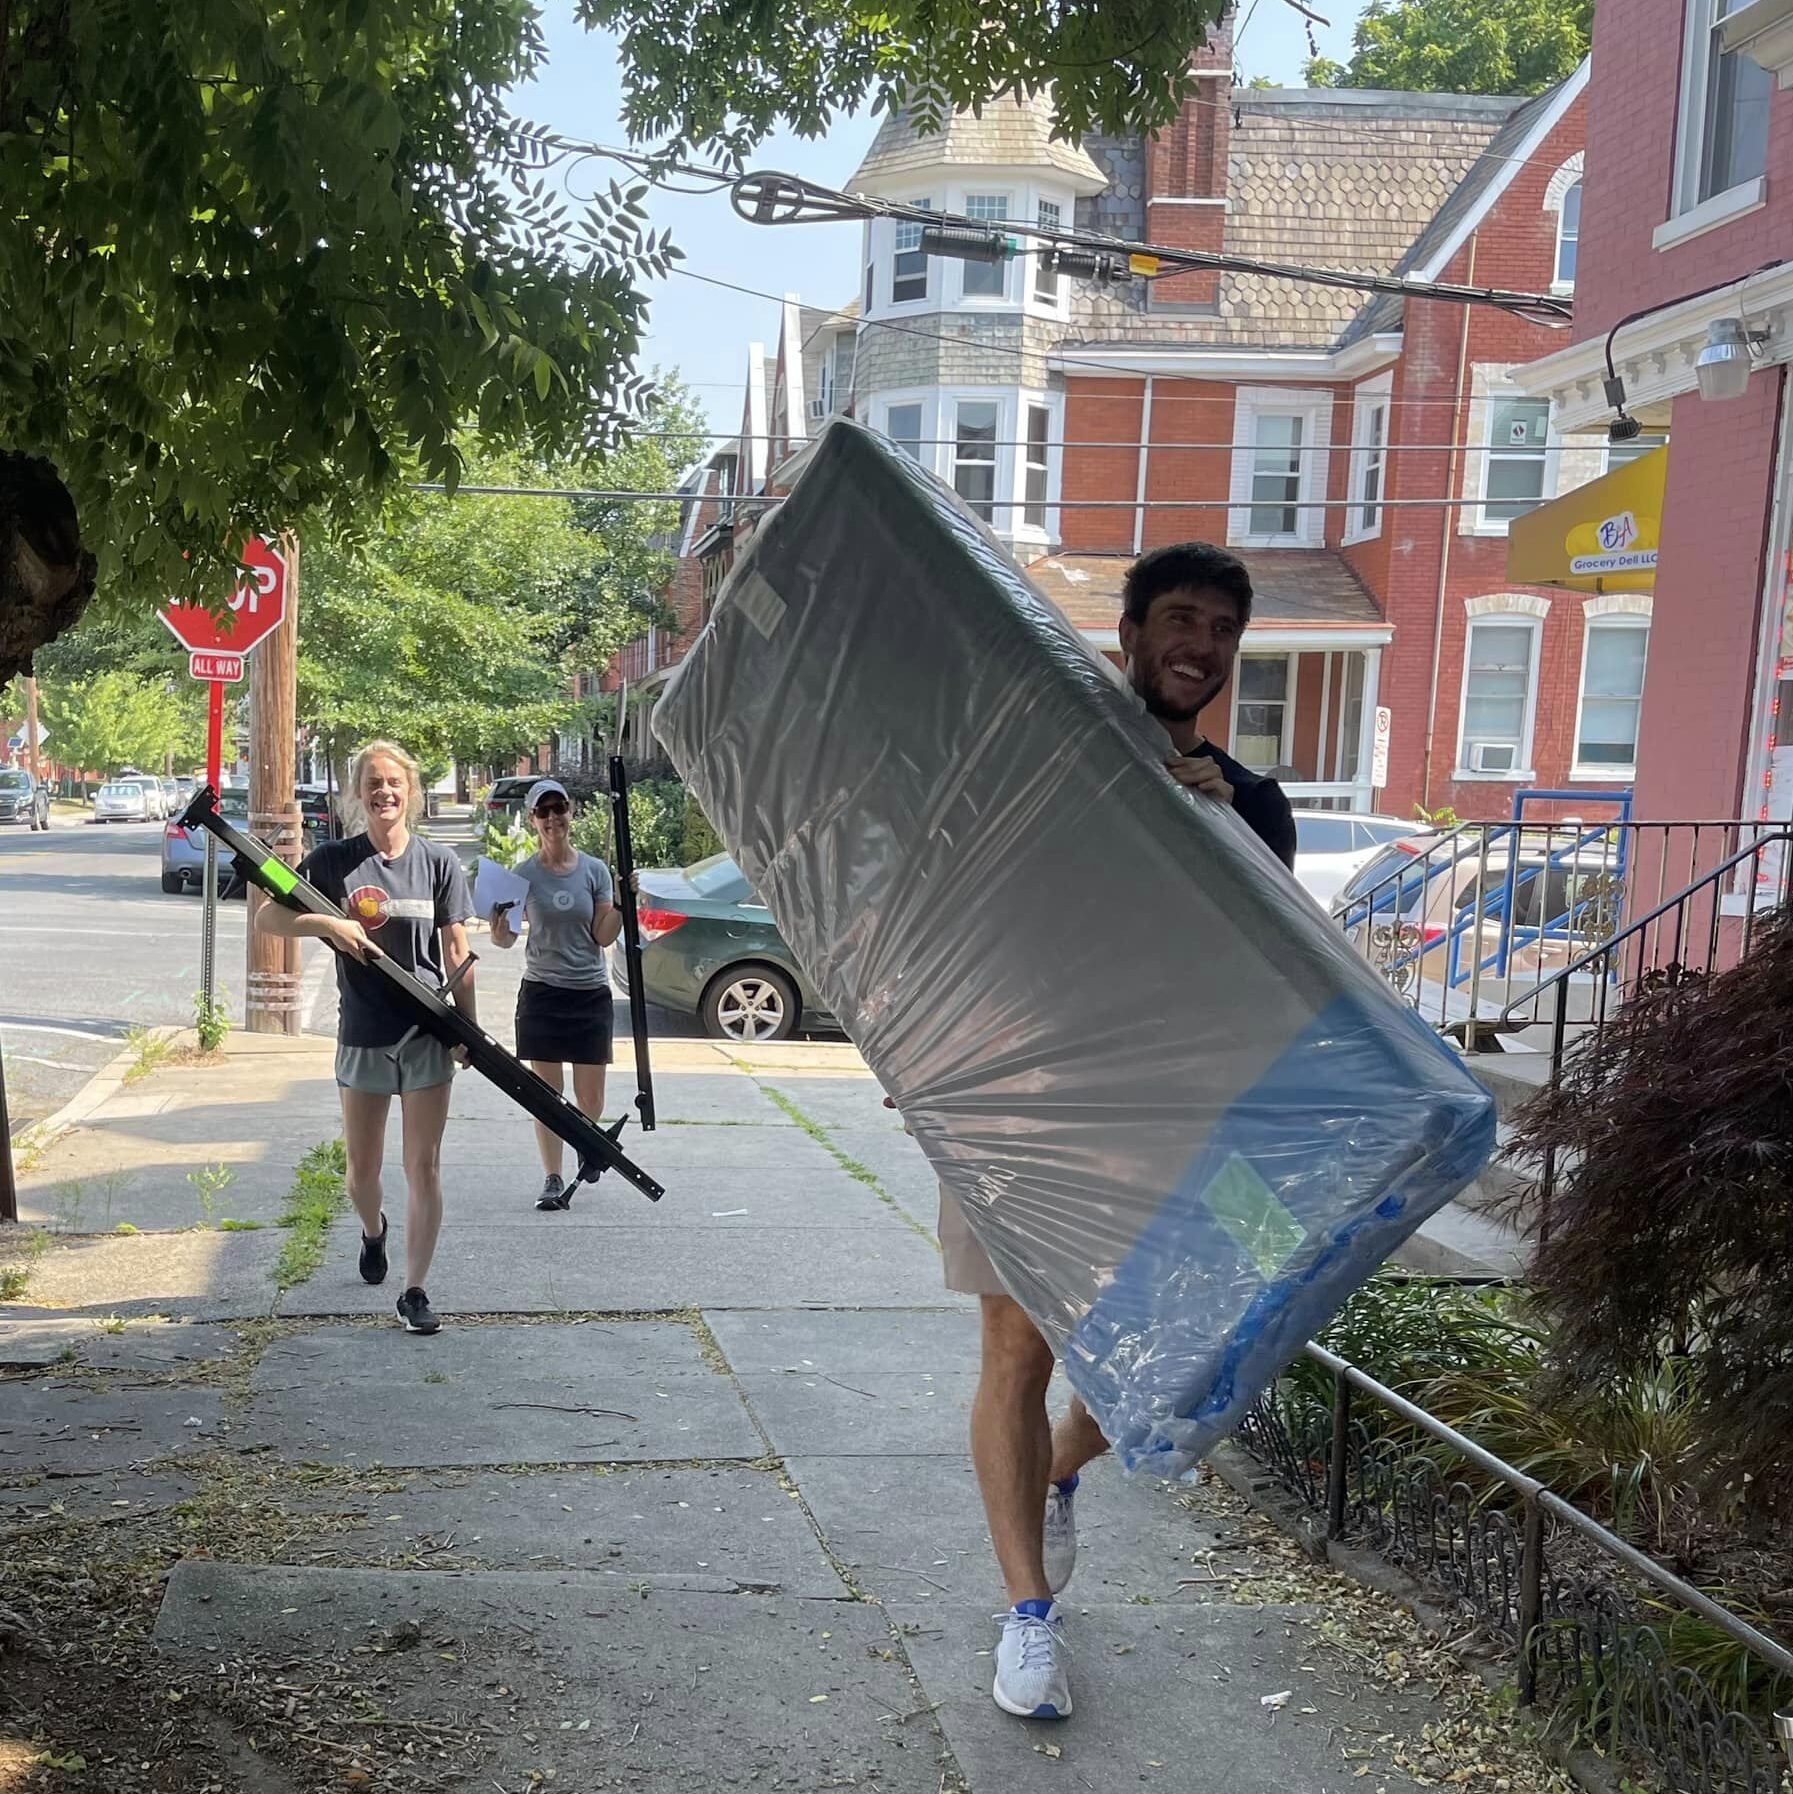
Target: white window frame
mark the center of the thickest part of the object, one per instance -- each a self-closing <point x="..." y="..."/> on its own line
<point x="928" y="398"/>
<point x="1523" y="773"/>
<point x="1613" y="620"/>
<point x="1001" y="449"/>
<point x="1053" y="305"/>
<point x="1499" y="388"/>
<point x="1291" y="683"/>
<point x="1006" y="300"/>
<point x="1689" y="214"/>
<point x="1558" y="282"/>
<point x="1315" y="409"/>
<point x="1371" y="396"/>
<point x="897" y="226"/>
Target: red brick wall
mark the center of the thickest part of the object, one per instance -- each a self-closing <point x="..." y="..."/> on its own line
<point x="1633" y="96"/>
<point x="1699" y="685"/>
<point x="1100" y="411"/>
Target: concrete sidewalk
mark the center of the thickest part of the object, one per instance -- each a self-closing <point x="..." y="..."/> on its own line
<point x="678" y="1500"/>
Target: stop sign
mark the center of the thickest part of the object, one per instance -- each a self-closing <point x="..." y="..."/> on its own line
<point x="256" y="609"/>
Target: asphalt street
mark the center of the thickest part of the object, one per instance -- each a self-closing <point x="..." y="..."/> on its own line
<point x="91" y="947"/>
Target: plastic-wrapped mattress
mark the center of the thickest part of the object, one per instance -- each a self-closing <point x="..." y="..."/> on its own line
<point x="1183" y="1119"/>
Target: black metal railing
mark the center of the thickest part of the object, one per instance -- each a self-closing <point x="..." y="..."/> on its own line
<point x="1579" y="1637"/>
<point x="1474" y="925"/>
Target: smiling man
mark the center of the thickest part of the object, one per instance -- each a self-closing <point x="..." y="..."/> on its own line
<point x="1185" y="609"/>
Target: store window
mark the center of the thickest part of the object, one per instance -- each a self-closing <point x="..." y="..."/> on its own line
<point x="1261" y="710"/>
<point x="1037" y="466"/>
<point x="974" y="455"/>
<point x="1500" y="673"/>
<point x="1612" y="695"/>
<point x="986" y="280"/>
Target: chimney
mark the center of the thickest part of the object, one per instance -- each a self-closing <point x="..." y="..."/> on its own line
<point x="1186" y="174"/>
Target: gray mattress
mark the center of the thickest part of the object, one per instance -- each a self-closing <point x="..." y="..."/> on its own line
<point x="1184" y="1120"/>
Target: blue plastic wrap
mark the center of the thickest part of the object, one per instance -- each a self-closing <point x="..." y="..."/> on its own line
<point x="1184" y="1120"/>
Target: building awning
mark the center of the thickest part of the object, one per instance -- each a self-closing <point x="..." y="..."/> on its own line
<point x="1601" y="537"/>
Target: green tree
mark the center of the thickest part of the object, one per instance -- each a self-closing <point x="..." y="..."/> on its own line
<point x="719" y="76"/>
<point x="1462" y="46"/>
<point x="457" y="629"/>
<point x="122" y="718"/>
<point x="260" y="260"/>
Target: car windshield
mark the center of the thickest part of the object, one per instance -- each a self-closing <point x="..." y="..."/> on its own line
<point x="1382" y="868"/>
<point x="1379" y="831"/>
<point x="234" y="801"/>
<point x="121" y="790"/>
<point x="12" y="781"/>
<point x="720" y="878"/>
<point x="1323" y="834"/>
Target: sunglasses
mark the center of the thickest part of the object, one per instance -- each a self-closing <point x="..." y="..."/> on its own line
<point x="551" y="807"/>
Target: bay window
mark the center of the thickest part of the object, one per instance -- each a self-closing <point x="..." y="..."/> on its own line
<point x="986" y="280"/>
<point x="974" y="455"/>
<point x="1037" y="466"/>
<point x="909" y="267"/>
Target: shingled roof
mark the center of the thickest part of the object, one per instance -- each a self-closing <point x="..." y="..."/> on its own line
<point x="1296" y="588"/>
<point x="1008" y="133"/>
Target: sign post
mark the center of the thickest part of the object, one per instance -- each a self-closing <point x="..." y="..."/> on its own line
<point x="217" y="646"/>
<point x="1379" y="749"/>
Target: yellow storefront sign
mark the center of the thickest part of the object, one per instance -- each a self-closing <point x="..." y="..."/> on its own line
<point x="1602" y="537"/>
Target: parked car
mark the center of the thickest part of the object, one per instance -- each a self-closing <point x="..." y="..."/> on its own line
<point x="183" y="850"/>
<point x="1331" y="845"/>
<point x="318" y="813"/>
<point x="23" y="798"/>
<point x="127" y="800"/>
<point x="185" y="788"/>
<point x="504" y="802"/>
<point x="711" y="949"/>
<point x="171" y="797"/>
<point x="152" y="788"/>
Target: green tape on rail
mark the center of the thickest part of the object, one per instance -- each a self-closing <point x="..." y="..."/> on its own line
<point x="281" y="876"/>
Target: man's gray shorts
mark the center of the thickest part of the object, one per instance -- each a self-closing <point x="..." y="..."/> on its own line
<point x="419" y="1064"/>
<point x="968" y="1266"/>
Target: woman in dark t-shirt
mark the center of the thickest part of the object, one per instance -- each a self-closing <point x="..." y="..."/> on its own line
<point x="405" y="898"/>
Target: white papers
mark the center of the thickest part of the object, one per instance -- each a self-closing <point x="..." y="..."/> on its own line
<point x="494" y="887"/>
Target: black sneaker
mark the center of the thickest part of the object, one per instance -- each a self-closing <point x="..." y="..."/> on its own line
<point x="415" y="1311"/>
<point x="553" y="1192"/>
<point x="373" y="1256"/>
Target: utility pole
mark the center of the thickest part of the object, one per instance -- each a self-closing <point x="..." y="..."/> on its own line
<point x="271" y="1004"/>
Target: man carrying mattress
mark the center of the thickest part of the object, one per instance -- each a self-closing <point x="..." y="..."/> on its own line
<point x="1184" y="611"/>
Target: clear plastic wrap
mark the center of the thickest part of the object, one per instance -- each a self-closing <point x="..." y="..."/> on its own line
<point x="1184" y="1120"/>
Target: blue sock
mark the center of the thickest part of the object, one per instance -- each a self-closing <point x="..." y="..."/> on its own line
<point x="1069" y="1485"/>
<point x="1034" y="1610"/>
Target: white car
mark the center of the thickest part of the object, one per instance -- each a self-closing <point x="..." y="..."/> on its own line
<point x="1331" y="845"/>
<point x="126" y="800"/>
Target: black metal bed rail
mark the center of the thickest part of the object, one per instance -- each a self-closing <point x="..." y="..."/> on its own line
<point x="1580" y="1639"/>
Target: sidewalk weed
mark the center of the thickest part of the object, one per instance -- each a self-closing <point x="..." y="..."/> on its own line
<point x="208" y="1185"/>
<point x="318" y="1196"/>
<point x="853" y="1168"/>
<point x="211" y="1020"/>
<point x="148" y="1050"/>
<point x="14" y="1281"/>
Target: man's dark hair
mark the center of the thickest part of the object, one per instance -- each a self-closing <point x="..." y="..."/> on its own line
<point x="1183" y="566"/>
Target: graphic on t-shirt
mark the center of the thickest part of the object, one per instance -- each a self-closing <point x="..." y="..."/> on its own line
<point x="368" y="904"/>
<point x="563" y="899"/>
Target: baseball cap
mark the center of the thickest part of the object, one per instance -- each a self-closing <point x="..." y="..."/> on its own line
<point x="544" y="788"/>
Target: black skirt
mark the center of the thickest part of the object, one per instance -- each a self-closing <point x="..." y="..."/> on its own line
<point x="567" y="1027"/>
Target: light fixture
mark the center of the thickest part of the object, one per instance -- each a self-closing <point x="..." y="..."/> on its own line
<point x="1722" y="367"/>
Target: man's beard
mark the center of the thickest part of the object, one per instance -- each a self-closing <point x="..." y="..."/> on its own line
<point x="1159" y="702"/>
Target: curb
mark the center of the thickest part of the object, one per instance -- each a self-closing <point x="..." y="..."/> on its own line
<point x="98" y="1090"/>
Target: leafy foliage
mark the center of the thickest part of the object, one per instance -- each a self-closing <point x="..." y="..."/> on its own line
<point x="657" y="826"/>
<point x="712" y="74"/>
<point x="260" y="261"/>
<point x="124" y="718"/>
<point x="1672" y="1218"/>
<point x="1462" y="46"/>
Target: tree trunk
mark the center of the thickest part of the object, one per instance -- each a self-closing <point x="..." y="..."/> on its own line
<point x="46" y="576"/>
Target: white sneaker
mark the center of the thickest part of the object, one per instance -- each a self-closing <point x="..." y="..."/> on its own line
<point x="1061" y="1534"/>
<point x="1030" y="1663"/>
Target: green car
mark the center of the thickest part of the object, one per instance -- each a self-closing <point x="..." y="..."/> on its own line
<point x="709" y="948"/>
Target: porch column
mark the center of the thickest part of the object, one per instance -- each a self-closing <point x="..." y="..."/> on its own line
<point x="1365" y="798"/>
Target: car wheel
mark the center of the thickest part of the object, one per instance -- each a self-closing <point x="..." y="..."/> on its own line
<point x="750" y="1003"/>
<point x="173" y="883"/>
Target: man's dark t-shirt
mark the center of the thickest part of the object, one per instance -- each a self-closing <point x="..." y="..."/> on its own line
<point x="402" y="903"/>
<point x="1262" y="804"/>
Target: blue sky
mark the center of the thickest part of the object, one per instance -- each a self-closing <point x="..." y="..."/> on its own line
<point x="704" y="332"/>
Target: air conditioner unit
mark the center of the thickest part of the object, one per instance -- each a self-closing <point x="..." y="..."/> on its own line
<point x="818" y="410"/>
<point x="1492" y="756"/>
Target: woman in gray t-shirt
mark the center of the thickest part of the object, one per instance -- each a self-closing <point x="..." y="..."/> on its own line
<point x="564" y="1009"/>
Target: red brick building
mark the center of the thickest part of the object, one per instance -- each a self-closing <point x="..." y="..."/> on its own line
<point x="1689" y="186"/>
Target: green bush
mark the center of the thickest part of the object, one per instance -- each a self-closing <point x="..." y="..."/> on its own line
<point x="666" y="826"/>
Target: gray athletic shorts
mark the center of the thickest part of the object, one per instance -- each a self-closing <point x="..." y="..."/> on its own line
<point x="419" y="1064"/>
<point x="968" y="1266"/>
